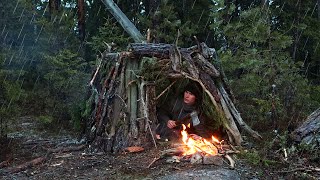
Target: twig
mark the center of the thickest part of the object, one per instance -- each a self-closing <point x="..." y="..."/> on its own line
<point x="28" y="164"/>
<point x="308" y="169"/>
<point x="124" y="103"/>
<point x="153" y="161"/>
<point x="67" y="149"/>
<point x="232" y="163"/>
<point x="167" y="88"/>
<point x="95" y="74"/>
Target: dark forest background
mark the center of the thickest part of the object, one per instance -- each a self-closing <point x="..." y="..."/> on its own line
<point x="269" y="50"/>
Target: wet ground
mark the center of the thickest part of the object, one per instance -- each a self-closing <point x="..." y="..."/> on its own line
<point x="60" y="155"/>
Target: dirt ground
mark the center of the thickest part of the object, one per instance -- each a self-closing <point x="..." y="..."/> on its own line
<point x="60" y="155"/>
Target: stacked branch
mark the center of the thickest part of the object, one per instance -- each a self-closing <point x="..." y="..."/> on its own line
<point x="123" y="103"/>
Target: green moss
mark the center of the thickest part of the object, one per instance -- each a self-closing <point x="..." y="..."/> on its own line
<point x="255" y="158"/>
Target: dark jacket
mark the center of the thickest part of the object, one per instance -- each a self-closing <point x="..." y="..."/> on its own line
<point x="175" y="110"/>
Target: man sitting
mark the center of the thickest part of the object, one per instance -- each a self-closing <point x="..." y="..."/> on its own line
<point x="177" y="112"/>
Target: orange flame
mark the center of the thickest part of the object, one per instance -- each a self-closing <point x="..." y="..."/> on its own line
<point x="197" y="144"/>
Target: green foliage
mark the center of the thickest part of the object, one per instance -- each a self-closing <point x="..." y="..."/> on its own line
<point x="109" y="33"/>
<point x="260" y="69"/>
<point x="255" y="158"/>
<point x="168" y="24"/>
<point x="209" y="110"/>
<point x="46" y="120"/>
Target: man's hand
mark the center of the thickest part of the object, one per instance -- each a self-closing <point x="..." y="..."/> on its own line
<point x="171" y="124"/>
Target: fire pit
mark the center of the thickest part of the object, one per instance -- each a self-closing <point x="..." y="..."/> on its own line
<point x="198" y="150"/>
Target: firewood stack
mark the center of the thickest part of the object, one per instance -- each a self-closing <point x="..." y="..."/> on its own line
<point x="121" y="104"/>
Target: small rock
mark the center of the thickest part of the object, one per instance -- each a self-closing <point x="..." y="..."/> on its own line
<point x="216" y="160"/>
<point x="196" y="158"/>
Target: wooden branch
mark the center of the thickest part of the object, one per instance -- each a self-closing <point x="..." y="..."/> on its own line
<point x="308" y="169"/>
<point x="231" y="161"/>
<point x="95" y="74"/>
<point x="175" y="57"/>
<point x="127" y="25"/>
<point x="145" y="112"/>
<point x="165" y="90"/>
<point x="237" y="116"/>
<point x="170" y="152"/>
<point x="132" y="95"/>
<point x="210" y="85"/>
<point x="28" y="164"/>
<point x="118" y="105"/>
<point x="193" y="70"/>
<point x="101" y="99"/>
<point x="206" y="66"/>
<point x="153" y="161"/>
<point x="232" y="127"/>
<point x="111" y="87"/>
<point x="151" y="50"/>
<point x="67" y="149"/>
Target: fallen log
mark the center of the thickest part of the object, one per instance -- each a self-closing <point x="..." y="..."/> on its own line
<point x="67" y="149"/>
<point x="28" y="164"/>
<point x="309" y="132"/>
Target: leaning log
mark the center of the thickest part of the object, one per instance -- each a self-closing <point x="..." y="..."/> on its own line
<point x="127" y="25"/>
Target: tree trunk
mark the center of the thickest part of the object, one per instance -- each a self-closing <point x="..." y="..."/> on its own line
<point x="297" y="32"/>
<point x="153" y="7"/>
<point x="124" y="21"/>
<point x="318" y="9"/>
<point x="54" y="6"/>
<point x="264" y="4"/>
<point x="81" y="20"/>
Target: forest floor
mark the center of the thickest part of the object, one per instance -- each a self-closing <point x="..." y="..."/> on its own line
<point x="33" y="152"/>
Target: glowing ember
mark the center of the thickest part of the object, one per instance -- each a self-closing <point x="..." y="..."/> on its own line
<point x="197" y="144"/>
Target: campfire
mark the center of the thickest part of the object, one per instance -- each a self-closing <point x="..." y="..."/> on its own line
<point x="198" y="150"/>
<point x="196" y="144"/>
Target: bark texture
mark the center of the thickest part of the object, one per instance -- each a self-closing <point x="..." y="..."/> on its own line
<point x="309" y="132"/>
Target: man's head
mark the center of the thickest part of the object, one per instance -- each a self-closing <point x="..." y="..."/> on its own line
<point x="192" y="94"/>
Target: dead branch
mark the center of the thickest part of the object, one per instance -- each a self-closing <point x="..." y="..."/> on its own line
<point x="67" y="149"/>
<point x="237" y="116"/>
<point x="28" y="164"/>
<point x="95" y="74"/>
<point x="165" y="90"/>
<point x="4" y="163"/>
<point x="231" y="161"/>
<point x="170" y="152"/>
<point x="307" y="169"/>
<point x="175" y="57"/>
<point x="206" y="66"/>
<point x="145" y="111"/>
<point x="153" y="161"/>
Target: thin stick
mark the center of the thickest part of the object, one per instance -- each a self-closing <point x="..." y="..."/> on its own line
<point x="145" y="111"/>
<point x="232" y="163"/>
<point x="308" y="169"/>
<point x="165" y="90"/>
<point x="95" y="74"/>
<point x="153" y="161"/>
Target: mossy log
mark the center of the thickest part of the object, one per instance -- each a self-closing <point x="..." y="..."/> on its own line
<point x="125" y="112"/>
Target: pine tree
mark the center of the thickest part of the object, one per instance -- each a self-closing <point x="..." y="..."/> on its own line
<point x="268" y="82"/>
